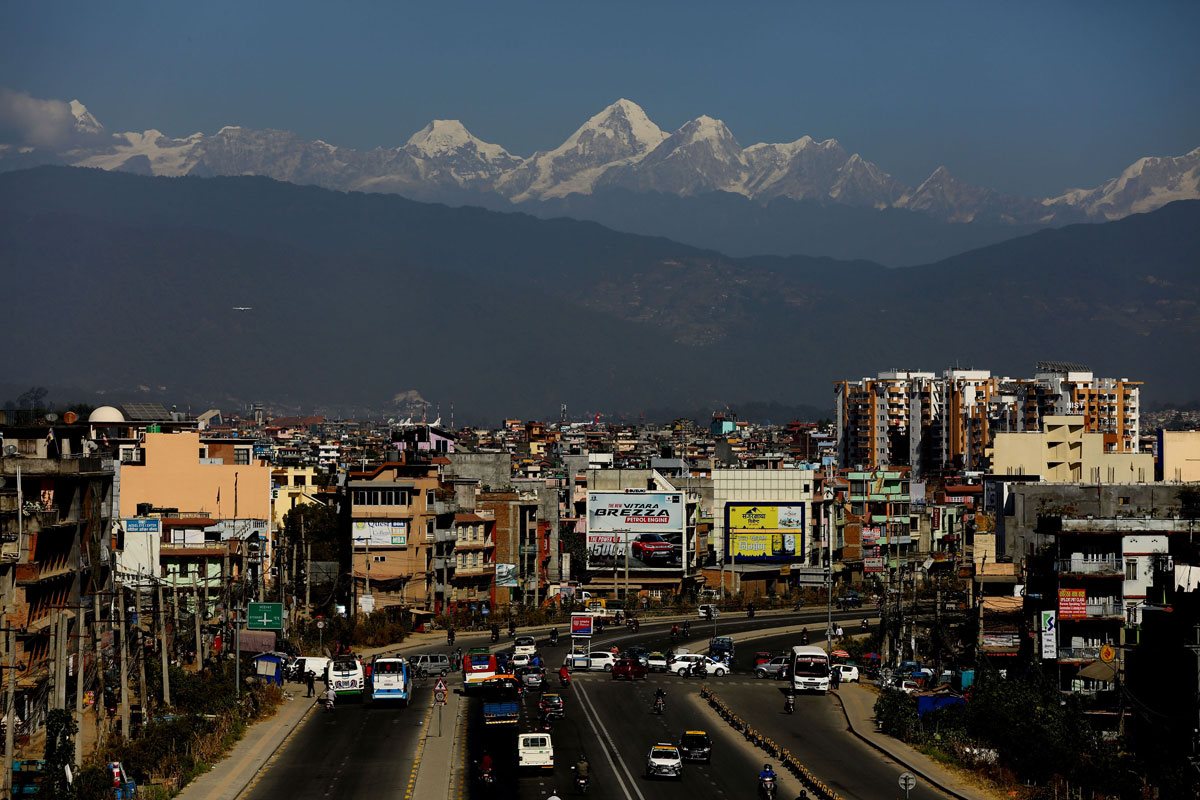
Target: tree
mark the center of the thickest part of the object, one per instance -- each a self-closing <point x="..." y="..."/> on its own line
<point x="60" y="751"/>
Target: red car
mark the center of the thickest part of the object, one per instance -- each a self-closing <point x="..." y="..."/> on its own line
<point x="629" y="669"/>
<point x="652" y="547"/>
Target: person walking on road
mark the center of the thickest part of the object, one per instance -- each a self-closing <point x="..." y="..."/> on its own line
<point x="835" y="678"/>
<point x="310" y="678"/>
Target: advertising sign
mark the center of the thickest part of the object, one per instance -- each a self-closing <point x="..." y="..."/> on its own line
<point x="581" y="624"/>
<point x="506" y="575"/>
<point x="380" y="533"/>
<point x="1049" y="631"/>
<point x="765" y="531"/>
<point x="873" y="564"/>
<point x="1072" y="603"/>
<point x="142" y="525"/>
<point x="642" y="529"/>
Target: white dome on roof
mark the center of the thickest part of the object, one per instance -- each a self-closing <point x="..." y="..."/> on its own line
<point x="106" y="414"/>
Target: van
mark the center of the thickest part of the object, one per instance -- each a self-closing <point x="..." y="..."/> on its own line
<point x="535" y="750"/>
<point x="432" y="663"/>
<point x="314" y="664"/>
<point x="347" y="676"/>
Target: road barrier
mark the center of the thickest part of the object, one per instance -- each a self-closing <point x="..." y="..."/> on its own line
<point x="771" y="747"/>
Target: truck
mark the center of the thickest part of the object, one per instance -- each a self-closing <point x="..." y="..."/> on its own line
<point x="501" y="704"/>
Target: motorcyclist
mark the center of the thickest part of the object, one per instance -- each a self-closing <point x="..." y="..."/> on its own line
<point x="687" y="628"/>
<point x="564" y="674"/>
<point x="865" y="624"/>
<point x="485" y="762"/>
<point x="767" y="773"/>
<point x="804" y="635"/>
<point x="554" y="636"/>
<point x="495" y="632"/>
<point x="450" y="637"/>
<point x="674" y="631"/>
<point x="329" y="697"/>
<point x="582" y="768"/>
<point x="789" y="703"/>
<point x="660" y="695"/>
<point x="554" y="795"/>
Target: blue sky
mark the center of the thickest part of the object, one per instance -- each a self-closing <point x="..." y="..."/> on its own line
<point x="1029" y="97"/>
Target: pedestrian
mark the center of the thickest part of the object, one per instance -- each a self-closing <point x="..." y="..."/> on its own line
<point x="835" y="678"/>
<point x="839" y="632"/>
<point x="310" y="678"/>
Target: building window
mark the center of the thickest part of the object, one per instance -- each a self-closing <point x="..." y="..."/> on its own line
<point x="299" y="480"/>
<point x="241" y="455"/>
<point x="203" y="452"/>
<point x="429" y="530"/>
<point x="377" y="559"/>
<point x="429" y="497"/>
<point x="1131" y="569"/>
<point x="1122" y="501"/>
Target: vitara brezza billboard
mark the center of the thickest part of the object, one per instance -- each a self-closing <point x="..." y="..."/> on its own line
<point x="646" y="527"/>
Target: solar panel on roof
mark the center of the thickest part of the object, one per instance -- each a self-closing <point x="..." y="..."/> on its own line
<point x="145" y="412"/>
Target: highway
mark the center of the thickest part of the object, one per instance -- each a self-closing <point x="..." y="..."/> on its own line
<point x="611" y="721"/>
<point x="357" y="750"/>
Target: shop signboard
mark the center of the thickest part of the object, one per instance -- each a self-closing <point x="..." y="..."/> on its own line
<point x="1072" y="603"/>
<point x="581" y="624"/>
<point x="380" y="533"/>
<point x="765" y="532"/>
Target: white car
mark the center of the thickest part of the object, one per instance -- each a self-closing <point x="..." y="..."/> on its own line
<point x="520" y="660"/>
<point x="706" y="609"/>
<point x="849" y="672"/>
<point x="602" y="661"/>
<point x="524" y="646"/>
<point x="664" y="761"/>
<point x="656" y="662"/>
<point x="686" y="662"/>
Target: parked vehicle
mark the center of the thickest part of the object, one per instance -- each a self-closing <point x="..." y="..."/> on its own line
<point x="314" y="664"/>
<point x="629" y="669"/>
<point x="602" y="661"/>
<point x="849" y="672"/>
<point x="762" y="657"/>
<point x="708" y="611"/>
<point x="535" y="750"/>
<point x="776" y="668"/>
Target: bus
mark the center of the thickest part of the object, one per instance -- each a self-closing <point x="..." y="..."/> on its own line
<point x="391" y="680"/>
<point x="809" y="669"/>
<point x="346" y="676"/>
<point x="478" y="665"/>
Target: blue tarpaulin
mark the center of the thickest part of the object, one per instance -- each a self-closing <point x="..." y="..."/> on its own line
<point x="932" y="702"/>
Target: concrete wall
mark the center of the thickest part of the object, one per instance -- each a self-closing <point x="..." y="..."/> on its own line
<point x="492" y="470"/>
<point x="1179" y="456"/>
<point x="174" y="477"/>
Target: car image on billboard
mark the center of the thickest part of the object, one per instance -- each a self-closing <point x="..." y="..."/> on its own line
<point x="643" y="530"/>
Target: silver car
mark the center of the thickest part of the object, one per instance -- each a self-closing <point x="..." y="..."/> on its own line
<point x="775" y="668"/>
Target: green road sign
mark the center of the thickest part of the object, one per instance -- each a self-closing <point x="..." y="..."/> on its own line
<point x="264" y="617"/>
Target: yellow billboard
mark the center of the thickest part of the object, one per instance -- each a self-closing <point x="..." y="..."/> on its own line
<point x="765" y="531"/>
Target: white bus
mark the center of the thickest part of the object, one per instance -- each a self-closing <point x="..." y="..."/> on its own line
<point x="346" y="676"/>
<point x="391" y="680"/>
<point x="810" y="669"/>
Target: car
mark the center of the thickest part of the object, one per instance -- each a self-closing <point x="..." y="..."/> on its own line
<point x="849" y="672"/>
<point x="664" y="760"/>
<point x="652" y="547"/>
<point x="524" y="645"/>
<point x="656" y="662"/>
<point x="629" y="669"/>
<point x="850" y="600"/>
<point x="685" y="662"/>
<point x="762" y="657"/>
<point x="695" y="746"/>
<point x="432" y="663"/>
<point x="518" y="660"/>
<point x="908" y="687"/>
<point x="708" y="611"/>
<point x="776" y="668"/>
<point x="552" y="705"/>
<point x="532" y="677"/>
<point x="602" y="661"/>
<point x="721" y="648"/>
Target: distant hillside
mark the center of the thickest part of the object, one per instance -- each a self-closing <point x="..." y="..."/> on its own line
<point x="355" y="298"/>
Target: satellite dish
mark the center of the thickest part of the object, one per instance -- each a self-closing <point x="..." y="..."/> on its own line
<point x="70" y="417"/>
<point x="52" y="417"/>
<point x="10" y="449"/>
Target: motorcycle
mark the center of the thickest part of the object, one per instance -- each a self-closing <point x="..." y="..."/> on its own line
<point x="687" y="629"/>
<point x="866" y="626"/>
<point x="582" y="782"/>
<point x="750" y="612"/>
<point x="327" y="703"/>
<point x="487" y="777"/>
<point x="767" y="788"/>
<point x="804" y="636"/>
<point x="553" y="638"/>
<point x="495" y="635"/>
<point x="450" y="638"/>
<point x="564" y="679"/>
<point x="789" y="705"/>
<point x="660" y="705"/>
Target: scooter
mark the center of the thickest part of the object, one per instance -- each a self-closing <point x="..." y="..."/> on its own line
<point x="564" y="679"/>
<point x="687" y="629"/>
<point x="487" y="777"/>
<point x="553" y="638"/>
<point x="327" y="703"/>
<point x="767" y="788"/>
<point x="789" y="705"/>
<point x="495" y="636"/>
<point x="660" y="705"/>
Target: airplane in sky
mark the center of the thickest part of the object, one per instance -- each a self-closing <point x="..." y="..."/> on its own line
<point x="243" y="308"/>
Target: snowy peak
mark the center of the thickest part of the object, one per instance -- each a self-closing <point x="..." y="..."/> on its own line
<point x="443" y="137"/>
<point x="626" y="123"/>
<point x="84" y="121"/>
<point x="1144" y="185"/>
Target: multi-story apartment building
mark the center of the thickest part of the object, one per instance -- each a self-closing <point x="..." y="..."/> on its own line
<point x="1064" y="451"/>
<point x="939" y="423"/>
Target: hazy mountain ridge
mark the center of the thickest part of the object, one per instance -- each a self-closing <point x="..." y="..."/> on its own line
<point x="521" y="314"/>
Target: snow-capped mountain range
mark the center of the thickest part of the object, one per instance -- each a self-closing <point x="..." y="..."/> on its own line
<point x="620" y="147"/>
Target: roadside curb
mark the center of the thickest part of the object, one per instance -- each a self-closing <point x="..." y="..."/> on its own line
<point x="931" y="781"/>
<point x="416" y="767"/>
<point x="278" y="746"/>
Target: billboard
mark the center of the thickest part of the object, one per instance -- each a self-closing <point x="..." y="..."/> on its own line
<point x="766" y="532"/>
<point x="380" y="533"/>
<point x="581" y="624"/>
<point x="506" y="575"/>
<point x="643" y="530"/>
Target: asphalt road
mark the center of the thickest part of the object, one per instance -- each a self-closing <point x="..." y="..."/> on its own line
<point x="357" y="750"/>
<point x="611" y="722"/>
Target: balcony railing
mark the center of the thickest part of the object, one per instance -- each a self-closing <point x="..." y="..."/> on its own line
<point x="1081" y="567"/>
<point x="1105" y="609"/>
<point x="1079" y="653"/>
<point x="480" y="569"/>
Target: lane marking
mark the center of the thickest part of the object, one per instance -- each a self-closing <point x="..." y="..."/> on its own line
<point x="587" y="701"/>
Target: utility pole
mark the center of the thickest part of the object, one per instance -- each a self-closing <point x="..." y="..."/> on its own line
<point x="124" y="661"/>
<point x="166" y="661"/>
<point x="307" y="578"/>
<point x="143" y="694"/>
<point x="98" y="704"/>
<point x="52" y="670"/>
<point x="10" y="719"/>
<point x="237" y="648"/>
<point x="199" y="638"/>
<point x="79" y="631"/>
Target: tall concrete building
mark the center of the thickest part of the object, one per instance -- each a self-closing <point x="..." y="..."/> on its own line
<point x="936" y="423"/>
